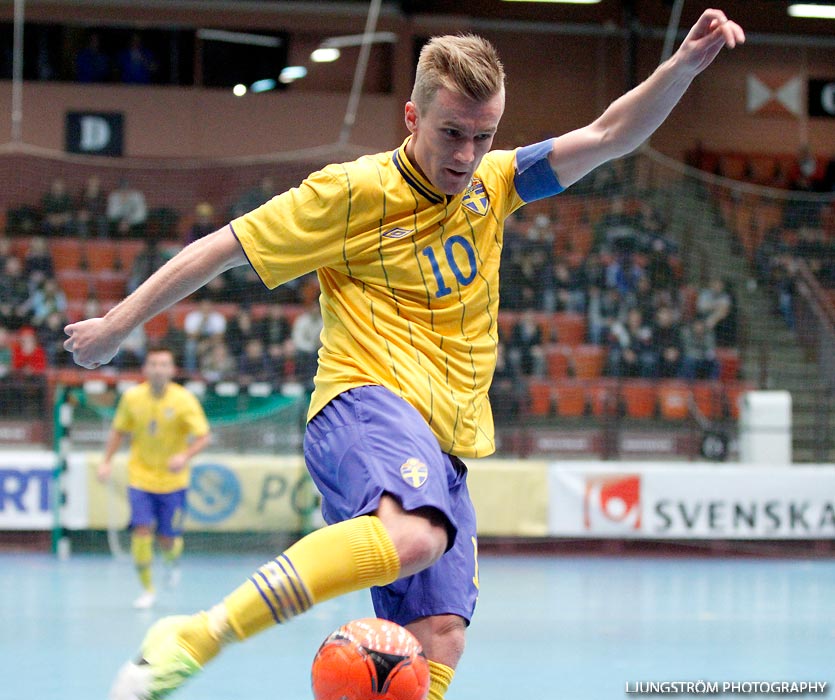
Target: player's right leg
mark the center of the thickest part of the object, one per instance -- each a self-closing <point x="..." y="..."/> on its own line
<point x="357" y="553"/>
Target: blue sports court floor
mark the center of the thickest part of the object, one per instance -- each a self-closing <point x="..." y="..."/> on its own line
<point x="546" y="628"/>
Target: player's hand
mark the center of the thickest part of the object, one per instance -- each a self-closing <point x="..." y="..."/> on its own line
<point x="103" y="472"/>
<point x="707" y="37"/>
<point x="177" y="463"/>
<point x="92" y="342"/>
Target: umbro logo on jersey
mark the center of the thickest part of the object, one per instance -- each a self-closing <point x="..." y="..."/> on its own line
<point x="475" y="198"/>
<point x="397" y="232"/>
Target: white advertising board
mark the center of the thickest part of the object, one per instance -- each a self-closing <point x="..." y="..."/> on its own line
<point x="675" y="501"/>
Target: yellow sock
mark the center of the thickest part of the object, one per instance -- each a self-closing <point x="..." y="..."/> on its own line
<point x="142" y="549"/>
<point x="337" y="559"/>
<point x="172" y="555"/>
<point x="440" y="677"/>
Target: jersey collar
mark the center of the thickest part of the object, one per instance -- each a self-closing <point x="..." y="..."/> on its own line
<point x="413" y="177"/>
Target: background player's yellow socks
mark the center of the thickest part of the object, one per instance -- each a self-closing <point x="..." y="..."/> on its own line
<point x="142" y="549"/>
<point x="337" y="559"/>
<point x="440" y="677"/>
<point x="172" y="555"/>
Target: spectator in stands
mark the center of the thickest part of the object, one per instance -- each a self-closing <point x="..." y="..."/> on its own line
<point x="305" y="333"/>
<point x="15" y="306"/>
<point x="38" y="259"/>
<point x="239" y="330"/>
<point x="216" y="362"/>
<point x="254" y="197"/>
<point x="506" y="391"/>
<point x="715" y="305"/>
<point x="202" y="326"/>
<point x="146" y="262"/>
<point x="204" y="222"/>
<point x="275" y="333"/>
<point x="126" y="210"/>
<point x="6" y="251"/>
<point x="563" y="289"/>
<point x="632" y="351"/>
<point x="254" y="365"/>
<point x="133" y="350"/>
<point x="51" y="337"/>
<point x="29" y="372"/>
<point x="623" y="273"/>
<point x="91" y="210"/>
<point x="92" y="65"/>
<point x="699" y="351"/>
<point x="643" y="298"/>
<point x="667" y="338"/>
<point x="828" y="180"/>
<point x="658" y="269"/>
<point x="28" y="357"/>
<point x="782" y="280"/>
<point x="57" y="209"/>
<point x="525" y="350"/>
<point x="604" y="309"/>
<point x="46" y="300"/>
<point x="137" y="64"/>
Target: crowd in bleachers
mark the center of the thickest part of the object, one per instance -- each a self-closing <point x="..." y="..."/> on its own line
<point x="592" y="292"/>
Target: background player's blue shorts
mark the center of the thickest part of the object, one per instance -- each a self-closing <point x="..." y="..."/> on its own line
<point x="367" y="442"/>
<point x="167" y="510"/>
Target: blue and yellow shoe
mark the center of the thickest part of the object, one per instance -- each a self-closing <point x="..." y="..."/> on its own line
<point x="162" y="667"/>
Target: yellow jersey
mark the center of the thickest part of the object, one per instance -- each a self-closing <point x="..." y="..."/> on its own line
<point x="160" y="427"/>
<point x="409" y="282"/>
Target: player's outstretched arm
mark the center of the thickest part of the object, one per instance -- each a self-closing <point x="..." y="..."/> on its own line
<point x="634" y="116"/>
<point x="94" y="342"/>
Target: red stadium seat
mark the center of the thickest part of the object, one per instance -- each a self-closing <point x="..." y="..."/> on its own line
<point x="556" y="360"/>
<point x="729" y="364"/>
<point x="110" y="285"/>
<point x="74" y="283"/>
<point x="157" y="327"/>
<point x="602" y="397"/>
<point x="570" y="398"/>
<point x="570" y="328"/>
<point x="539" y="395"/>
<point x="102" y="255"/>
<point x="588" y="360"/>
<point x="67" y="254"/>
<point x="639" y="398"/>
<point x="674" y="400"/>
<point x="708" y="399"/>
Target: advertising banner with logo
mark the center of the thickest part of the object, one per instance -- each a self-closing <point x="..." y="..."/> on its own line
<point x="27" y="491"/>
<point x="633" y="500"/>
<point x="510" y="497"/>
<point x="232" y="493"/>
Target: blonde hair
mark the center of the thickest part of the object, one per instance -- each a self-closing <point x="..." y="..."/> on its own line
<point x="466" y="64"/>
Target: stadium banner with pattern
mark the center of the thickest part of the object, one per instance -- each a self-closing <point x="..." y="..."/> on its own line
<point x="676" y="501"/>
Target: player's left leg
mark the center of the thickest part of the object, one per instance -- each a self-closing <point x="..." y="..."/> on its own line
<point x="170" y="516"/>
<point x="142" y="544"/>
<point x="437" y="603"/>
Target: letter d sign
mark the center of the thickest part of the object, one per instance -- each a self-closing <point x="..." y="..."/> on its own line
<point x="97" y="133"/>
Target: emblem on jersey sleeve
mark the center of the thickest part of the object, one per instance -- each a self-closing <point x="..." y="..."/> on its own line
<point x="414" y="472"/>
<point x="475" y="198"/>
<point x="397" y="232"/>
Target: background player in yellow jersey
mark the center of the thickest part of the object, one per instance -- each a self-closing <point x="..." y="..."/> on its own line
<point x="166" y="427"/>
<point x="406" y="245"/>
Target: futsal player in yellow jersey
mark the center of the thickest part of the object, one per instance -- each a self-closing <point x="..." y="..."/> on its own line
<point x="166" y="427"/>
<point x="407" y="246"/>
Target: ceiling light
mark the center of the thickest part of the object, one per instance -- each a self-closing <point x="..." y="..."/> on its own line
<point x="291" y="73"/>
<point x="264" y="85"/>
<point x="561" y="2"/>
<point x="239" y="90"/>
<point x="813" y="11"/>
<point x="325" y="54"/>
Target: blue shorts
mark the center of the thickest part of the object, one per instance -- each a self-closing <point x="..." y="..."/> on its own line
<point x="167" y="510"/>
<point x="367" y="442"/>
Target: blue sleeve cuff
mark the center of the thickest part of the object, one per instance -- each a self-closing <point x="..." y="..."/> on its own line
<point x="535" y="178"/>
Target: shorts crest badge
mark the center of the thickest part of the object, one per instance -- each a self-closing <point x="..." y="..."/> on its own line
<point x="414" y="472"/>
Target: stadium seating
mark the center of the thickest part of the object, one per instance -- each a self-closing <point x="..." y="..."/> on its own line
<point x="588" y="361"/>
<point x="674" y="400"/>
<point x="539" y="396"/>
<point x="570" y="398"/>
<point x="67" y="254"/>
<point x="639" y="398"/>
<point x="569" y="328"/>
<point x="557" y="360"/>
